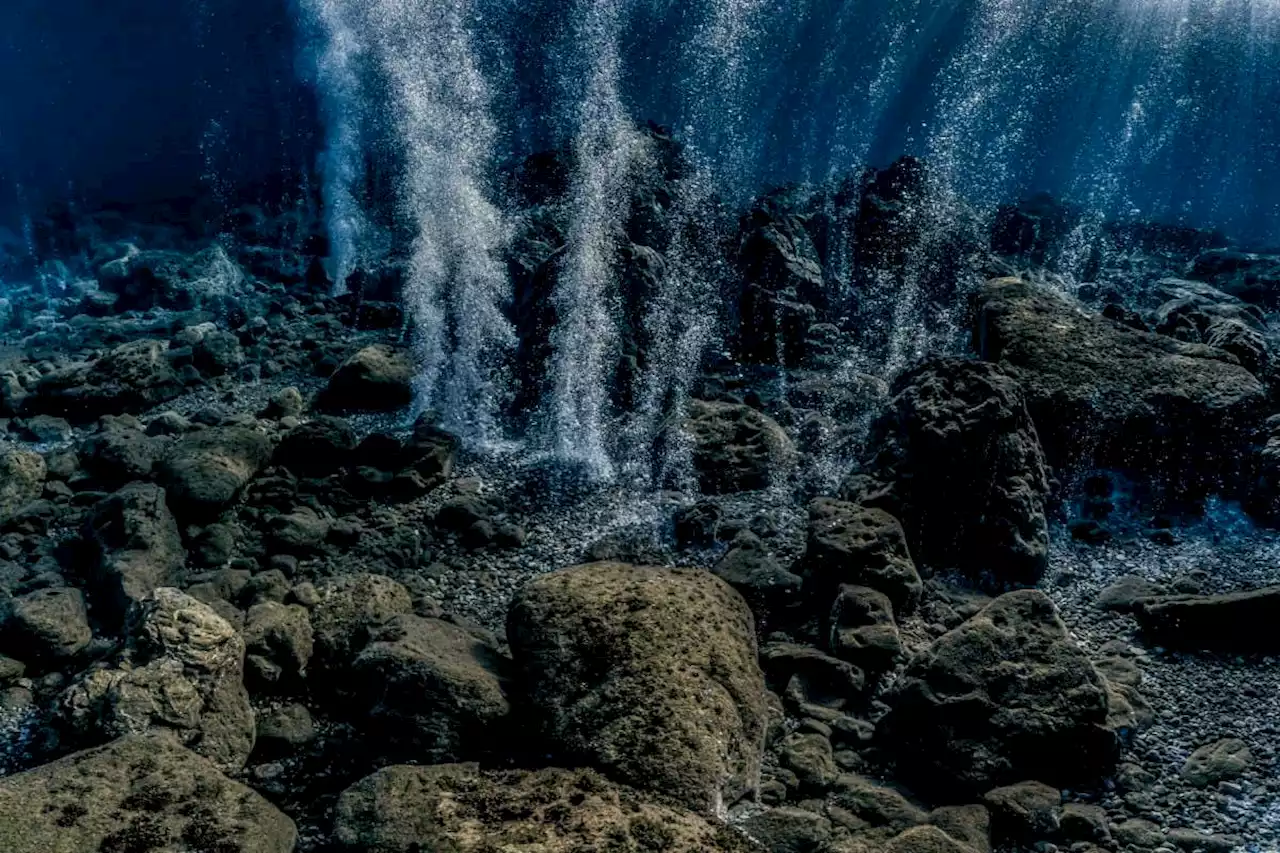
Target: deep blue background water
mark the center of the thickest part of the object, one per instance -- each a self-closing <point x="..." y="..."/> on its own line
<point x="1164" y="109"/>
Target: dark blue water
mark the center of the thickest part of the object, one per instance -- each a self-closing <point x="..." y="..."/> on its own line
<point x="1165" y="109"/>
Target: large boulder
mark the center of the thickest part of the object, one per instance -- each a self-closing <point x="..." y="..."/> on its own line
<point x="433" y="689"/>
<point x="1007" y="696"/>
<point x="138" y="793"/>
<point x="22" y="475"/>
<point x="1172" y="414"/>
<point x="958" y="461"/>
<point x="736" y="448"/>
<point x="851" y="544"/>
<point x="647" y="674"/>
<point x="205" y="471"/>
<point x="378" y="378"/>
<point x="462" y="809"/>
<point x="131" y="378"/>
<point x="182" y="671"/>
<point x="1241" y="622"/>
<point x="136" y="548"/>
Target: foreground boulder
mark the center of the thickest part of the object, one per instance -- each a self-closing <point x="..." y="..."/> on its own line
<point x="1174" y="414"/>
<point x="182" y="672"/>
<point x="135" y="548"/>
<point x="204" y="472"/>
<point x="460" y="808"/>
<point x="138" y="793"/>
<point x="378" y="378"/>
<point x="959" y="462"/>
<point x="1234" y="622"/>
<point x="131" y="378"/>
<point x="433" y="689"/>
<point x="736" y="448"/>
<point x="647" y="674"/>
<point x="1005" y="697"/>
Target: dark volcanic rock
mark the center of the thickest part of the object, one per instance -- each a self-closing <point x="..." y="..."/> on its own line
<point x="736" y="448"/>
<point x="378" y="378"/>
<point x="1253" y="278"/>
<point x="46" y="625"/>
<point x="1005" y="697"/>
<point x="863" y="631"/>
<point x="959" y="462"/>
<point x="649" y="674"/>
<point x="462" y="809"/>
<point x="119" y="452"/>
<point x="850" y="544"/>
<point x="132" y="378"/>
<point x="139" y="793"/>
<point x="205" y="471"/>
<point x="317" y="448"/>
<point x="1102" y="395"/>
<point x="136" y="547"/>
<point x="350" y="610"/>
<point x="806" y="677"/>
<point x="433" y="689"/>
<point x="1235" y="622"/>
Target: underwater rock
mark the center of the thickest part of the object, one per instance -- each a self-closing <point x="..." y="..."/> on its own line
<point x="22" y="476"/>
<point x="137" y="549"/>
<point x="1233" y="622"/>
<point x="205" y="471"/>
<point x="1177" y="416"/>
<point x="377" y="378"/>
<point x="1251" y="277"/>
<point x="141" y="792"/>
<point x="1006" y="697"/>
<point x="648" y="674"/>
<point x="348" y="612"/>
<point x="320" y="447"/>
<point x="45" y="626"/>
<point x="131" y="378"/>
<point x="182" y="671"/>
<point x="851" y="544"/>
<point x="163" y="279"/>
<point x="462" y="808"/>
<point x="959" y="462"/>
<point x="736" y="448"/>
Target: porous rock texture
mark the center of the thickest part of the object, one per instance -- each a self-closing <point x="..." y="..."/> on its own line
<point x="958" y="460"/>
<point x="461" y="808"/>
<point x="650" y="675"/>
<point x="1006" y="697"/>
<point x="1177" y="415"/>
<point x="142" y="792"/>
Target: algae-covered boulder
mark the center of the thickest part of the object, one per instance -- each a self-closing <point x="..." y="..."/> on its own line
<point x="1006" y="697"/>
<point x="138" y="793"/>
<point x="1175" y="414"/>
<point x="647" y="674"/>
<point x="433" y="689"/>
<point x="459" y="808"/>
